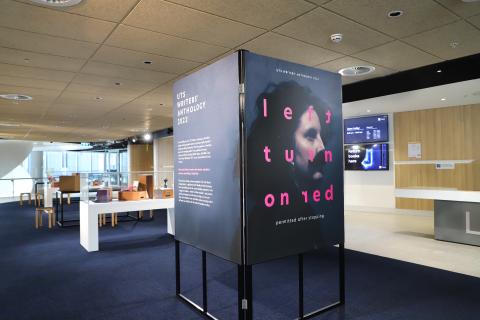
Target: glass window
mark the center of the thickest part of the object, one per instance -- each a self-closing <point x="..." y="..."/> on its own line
<point x="54" y="161"/>
<point x="71" y="162"/>
<point x="85" y="161"/>
<point x="98" y="162"/>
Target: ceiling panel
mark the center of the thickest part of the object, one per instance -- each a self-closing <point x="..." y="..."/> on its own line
<point x="164" y="17"/>
<point x="397" y="56"/>
<point x="418" y="15"/>
<point x="440" y="41"/>
<point x="463" y="9"/>
<point x="26" y="58"/>
<point x="281" y="47"/>
<point x="82" y="101"/>
<point x="114" y="71"/>
<point x="316" y="27"/>
<point x="144" y="110"/>
<point x="136" y="59"/>
<point x="126" y="94"/>
<point x="113" y="84"/>
<point x="336" y="65"/>
<point x="38" y="95"/>
<point x="111" y="10"/>
<point x="32" y="83"/>
<point x="35" y="73"/>
<point x="162" y="44"/>
<point x="16" y="39"/>
<point x="265" y="14"/>
<point x="27" y="17"/>
<point x="475" y="21"/>
<point x="319" y="2"/>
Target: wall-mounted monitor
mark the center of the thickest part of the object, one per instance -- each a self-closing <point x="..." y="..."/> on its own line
<point x="366" y="129"/>
<point x="366" y="157"/>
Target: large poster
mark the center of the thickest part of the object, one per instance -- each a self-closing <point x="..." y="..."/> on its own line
<point x="206" y="147"/>
<point x="294" y="171"/>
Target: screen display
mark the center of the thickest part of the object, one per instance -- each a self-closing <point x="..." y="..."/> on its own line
<point x="366" y="157"/>
<point x="366" y="129"/>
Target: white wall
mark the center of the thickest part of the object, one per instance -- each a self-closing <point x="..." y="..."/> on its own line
<point x="374" y="189"/>
<point x="12" y="154"/>
<point x="163" y="159"/>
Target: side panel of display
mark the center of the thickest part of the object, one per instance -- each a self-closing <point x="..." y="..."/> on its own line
<point x="206" y="148"/>
<point x="294" y="171"/>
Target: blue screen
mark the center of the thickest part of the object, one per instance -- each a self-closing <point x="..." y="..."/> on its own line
<point x="366" y="157"/>
<point x="366" y="129"/>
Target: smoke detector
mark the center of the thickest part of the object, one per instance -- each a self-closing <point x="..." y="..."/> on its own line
<point x="57" y="3"/>
<point x="16" y="97"/>
<point x="356" y="71"/>
<point x="336" y="37"/>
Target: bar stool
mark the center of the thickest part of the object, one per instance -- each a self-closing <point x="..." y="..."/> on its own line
<point x="102" y="219"/>
<point x="39" y="214"/>
<point x="38" y="199"/>
<point x="29" y="198"/>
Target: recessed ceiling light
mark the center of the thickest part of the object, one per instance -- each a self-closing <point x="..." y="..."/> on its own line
<point x="356" y="71"/>
<point x="336" y="37"/>
<point x="161" y="104"/>
<point x="147" y="62"/>
<point x="57" y="3"/>
<point x="443" y="99"/>
<point x="395" y="13"/>
<point x="118" y="83"/>
<point x="439" y="71"/>
<point x="16" y="97"/>
<point x="98" y="98"/>
<point x="454" y="44"/>
<point x="147" y="136"/>
<point x="134" y="140"/>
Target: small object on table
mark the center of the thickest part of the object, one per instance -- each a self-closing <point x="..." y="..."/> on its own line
<point x="132" y="195"/>
<point x="165" y="183"/>
<point x="104" y="195"/>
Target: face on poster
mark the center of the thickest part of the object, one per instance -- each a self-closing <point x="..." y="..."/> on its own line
<point x="294" y="172"/>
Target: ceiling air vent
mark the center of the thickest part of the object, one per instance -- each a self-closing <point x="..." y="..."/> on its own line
<point x="57" y="3"/>
<point x="356" y="71"/>
<point x="16" y="97"/>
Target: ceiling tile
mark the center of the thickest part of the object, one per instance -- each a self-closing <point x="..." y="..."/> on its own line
<point x="319" y="2"/>
<point x="79" y="102"/>
<point x="336" y="65"/>
<point x="26" y="58"/>
<point x="38" y="95"/>
<point x="144" y="110"/>
<point x="278" y="46"/>
<point x="110" y="10"/>
<point x="265" y="14"/>
<point x="136" y="59"/>
<point x="113" y="84"/>
<point x="417" y="15"/>
<point x="35" y="73"/>
<point x="160" y="97"/>
<point x="16" y="39"/>
<point x="191" y="24"/>
<point x="114" y="71"/>
<point x="316" y="27"/>
<point x="32" y="83"/>
<point x="463" y="9"/>
<point x="27" y="17"/>
<point x="124" y="94"/>
<point x="438" y="41"/>
<point x="475" y="21"/>
<point x="162" y="44"/>
<point x="397" y="56"/>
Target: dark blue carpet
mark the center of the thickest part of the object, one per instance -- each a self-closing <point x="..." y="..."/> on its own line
<point x="46" y="274"/>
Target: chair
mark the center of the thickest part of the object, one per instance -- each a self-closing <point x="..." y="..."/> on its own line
<point x="39" y="213"/>
<point x="29" y="198"/>
<point x="38" y="199"/>
<point x="102" y="219"/>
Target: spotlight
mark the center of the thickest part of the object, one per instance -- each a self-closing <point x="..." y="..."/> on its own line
<point x="147" y="136"/>
<point x="134" y="140"/>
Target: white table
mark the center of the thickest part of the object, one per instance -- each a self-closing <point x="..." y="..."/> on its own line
<point x="90" y="210"/>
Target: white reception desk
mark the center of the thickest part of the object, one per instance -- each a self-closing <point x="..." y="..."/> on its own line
<point x="456" y="212"/>
<point x="438" y="194"/>
<point x="90" y="210"/>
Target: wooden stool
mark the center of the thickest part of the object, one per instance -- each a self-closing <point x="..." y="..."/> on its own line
<point x="68" y="198"/>
<point x="38" y="199"/>
<point x="29" y="198"/>
<point x="140" y="214"/>
<point x="114" y="219"/>
<point x="39" y="213"/>
<point x="102" y="219"/>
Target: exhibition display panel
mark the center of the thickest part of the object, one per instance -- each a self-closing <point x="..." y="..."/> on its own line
<point x="258" y="151"/>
